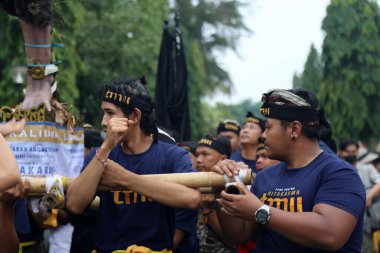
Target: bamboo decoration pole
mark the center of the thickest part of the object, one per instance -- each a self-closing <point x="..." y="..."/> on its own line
<point x="193" y="180"/>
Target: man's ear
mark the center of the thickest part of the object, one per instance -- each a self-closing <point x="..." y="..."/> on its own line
<point x="223" y="157"/>
<point x="136" y="116"/>
<point x="296" y="129"/>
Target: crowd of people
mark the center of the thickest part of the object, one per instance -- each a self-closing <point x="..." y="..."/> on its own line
<point x="305" y="196"/>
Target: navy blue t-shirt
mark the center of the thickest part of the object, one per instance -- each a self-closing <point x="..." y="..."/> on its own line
<point x="236" y="156"/>
<point x="21" y="220"/>
<point x="327" y="179"/>
<point x="35" y="233"/>
<point x="186" y="220"/>
<point x="326" y="148"/>
<point x="127" y="218"/>
<point x="84" y="235"/>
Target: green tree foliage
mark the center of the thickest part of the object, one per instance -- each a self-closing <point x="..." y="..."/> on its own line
<point x="11" y="54"/>
<point x="103" y="39"/>
<point x="120" y="38"/>
<point x="208" y="27"/>
<point x="106" y="39"/>
<point x="351" y="55"/>
<point x="297" y="80"/>
<point x="240" y="110"/>
<point x="312" y="74"/>
<point x="68" y="21"/>
<point x="215" y="25"/>
<point x="196" y="85"/>
<point x="221" y="111"/>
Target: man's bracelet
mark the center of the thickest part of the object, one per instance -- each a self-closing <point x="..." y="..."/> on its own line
<point x="100" y="159"/>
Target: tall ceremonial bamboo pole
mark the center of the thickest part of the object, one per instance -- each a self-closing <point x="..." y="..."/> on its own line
<point x="192" y="180"/>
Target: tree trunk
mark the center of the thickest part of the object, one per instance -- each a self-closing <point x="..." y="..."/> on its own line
<point x="37" y="91"/>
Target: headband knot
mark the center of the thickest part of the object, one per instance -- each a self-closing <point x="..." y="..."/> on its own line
<point x="322" y="119"/>
<point x="285" y="105"/>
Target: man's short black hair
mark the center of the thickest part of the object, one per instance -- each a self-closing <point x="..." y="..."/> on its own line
<point x="92" y="139"/>
<point x="376" y="161"/>
<point x="344" y="144"/>
<point x="127" y="94"/>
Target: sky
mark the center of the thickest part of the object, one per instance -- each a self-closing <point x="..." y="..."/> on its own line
<point x="283" y="31"/>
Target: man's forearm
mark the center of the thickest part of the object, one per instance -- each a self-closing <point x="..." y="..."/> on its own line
<point x="235" y="229"/>
<point x="82" y="191"/>
<point x="9" y="173"/>
<point x="167" y="193"/>
<point x="375" y="191"/>
<point x="332" y="225"/>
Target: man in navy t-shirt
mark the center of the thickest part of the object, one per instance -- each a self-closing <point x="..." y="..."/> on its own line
<point x="249" y="136"/>
<point x="143" y="215"/>
<point x="311" y="202"/>
<point x="230" y="129"/>
<point x="185" y="234"/>
<point x="210" y="150"/>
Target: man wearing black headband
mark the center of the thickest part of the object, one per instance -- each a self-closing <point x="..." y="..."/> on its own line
<point x="144" y="214"/>
<point x="311" y="202"/>
<point x="190" y="147"/>
<point x="262" y="159"/>
<point x="252" y="129"/>
<point x="230" y="129"/>
<point x="210" y="150"/>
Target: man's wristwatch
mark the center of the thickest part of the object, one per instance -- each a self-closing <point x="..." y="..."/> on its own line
<point x="262" y="214"/>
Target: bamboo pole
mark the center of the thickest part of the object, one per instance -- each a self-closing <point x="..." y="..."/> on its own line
<point x="203" y="180"/>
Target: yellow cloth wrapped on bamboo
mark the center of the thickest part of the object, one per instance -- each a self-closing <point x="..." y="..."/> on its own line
<point x="52" y="220"/>
<point x="138" y="249"/>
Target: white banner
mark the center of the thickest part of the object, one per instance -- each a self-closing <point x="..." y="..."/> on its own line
<point x="43" y="148"/>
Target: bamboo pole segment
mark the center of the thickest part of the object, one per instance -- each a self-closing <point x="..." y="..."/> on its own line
<point x="203" y="190"/>
<point x="193" y="180"/>
<point x="210" y="190"/>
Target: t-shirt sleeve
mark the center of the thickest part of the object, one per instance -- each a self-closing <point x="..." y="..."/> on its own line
<point x="179" y="160"/>
<point x="186" y="220"/>
<point x="342" y="188"/>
